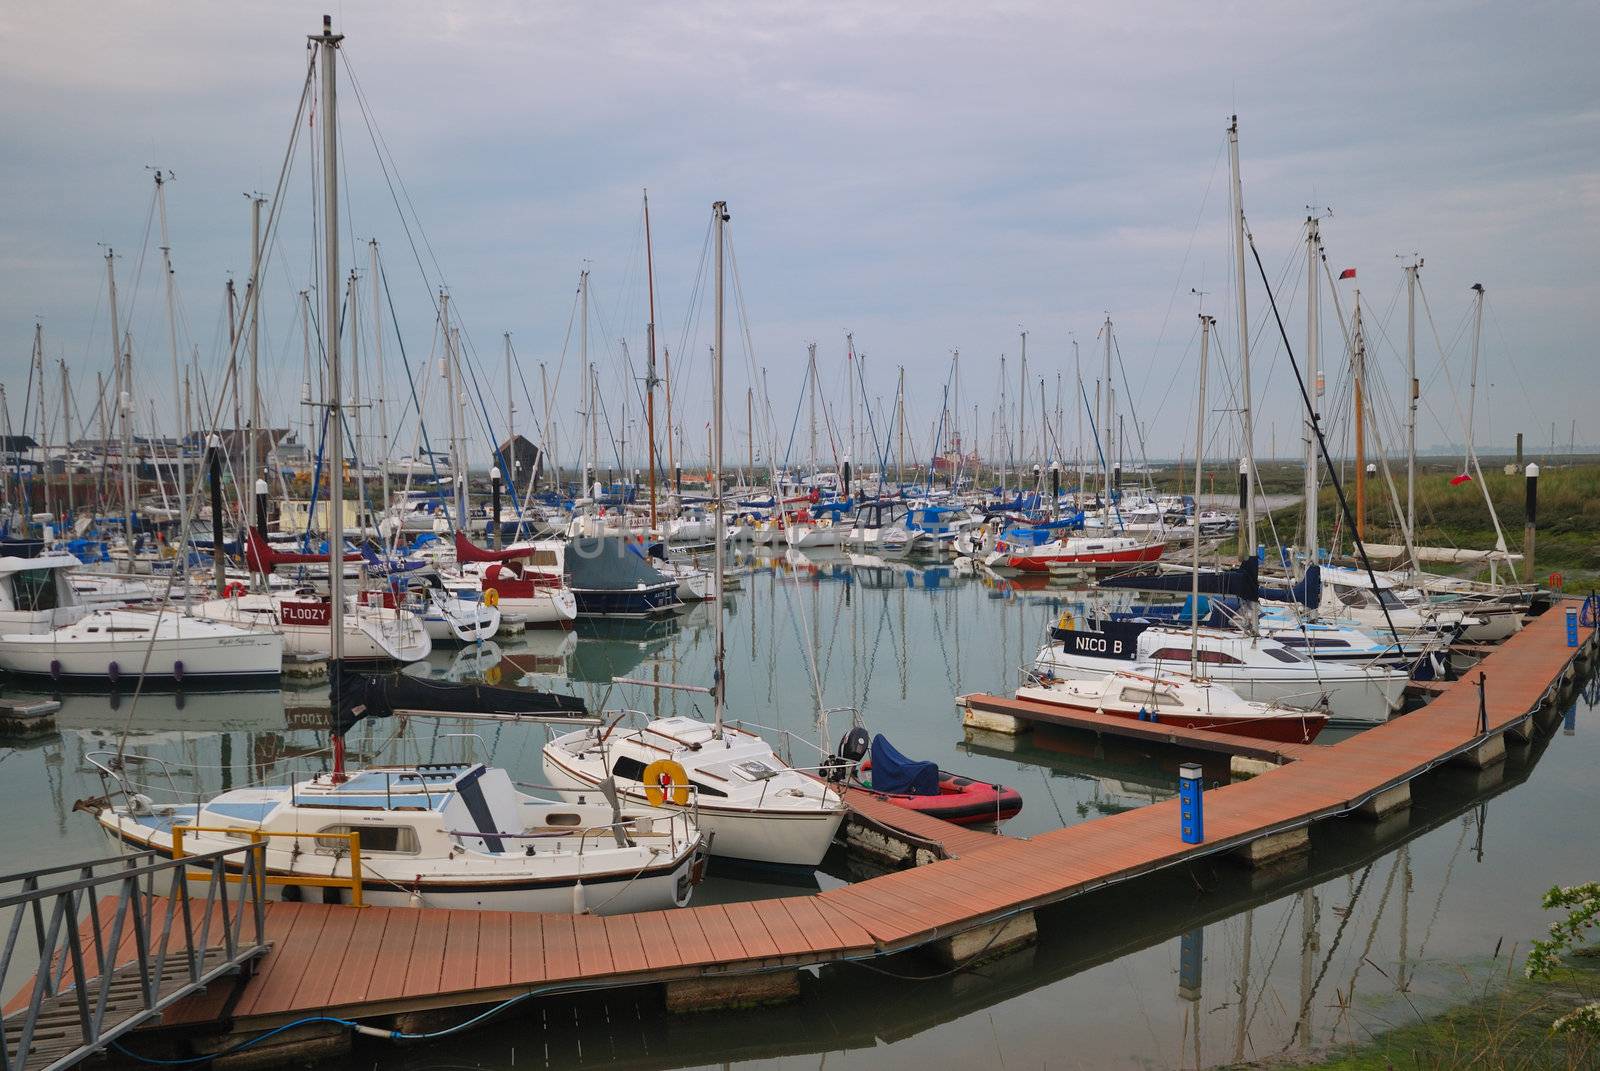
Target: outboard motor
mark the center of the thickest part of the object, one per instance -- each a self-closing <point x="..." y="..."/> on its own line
<point x="853" y="748"/>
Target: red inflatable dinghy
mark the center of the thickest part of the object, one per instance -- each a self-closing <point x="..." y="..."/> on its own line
<point x="960" y="800"/>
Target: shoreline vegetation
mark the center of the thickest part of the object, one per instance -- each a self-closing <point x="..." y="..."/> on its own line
<point x="1505" y="1026"/>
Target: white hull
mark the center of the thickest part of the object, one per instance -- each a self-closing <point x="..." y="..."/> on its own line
<point x="183" y="650"/>
<point x="371" y="634"/>
<point x="745" y="836"/>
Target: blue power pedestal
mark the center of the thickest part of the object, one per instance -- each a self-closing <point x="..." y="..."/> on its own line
<point x="1191" y="810"/>
<point x="1572" y="626"/>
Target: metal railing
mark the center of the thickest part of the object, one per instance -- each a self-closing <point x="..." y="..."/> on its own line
<point x="95" y="949"/>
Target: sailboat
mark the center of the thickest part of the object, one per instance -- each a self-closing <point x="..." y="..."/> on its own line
<point x="754" y="806"/>
<point x="458" y="835"/>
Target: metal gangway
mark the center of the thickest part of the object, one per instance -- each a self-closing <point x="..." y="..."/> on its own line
<point x="94" y="950"/>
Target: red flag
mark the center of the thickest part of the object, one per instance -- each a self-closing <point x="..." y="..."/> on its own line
<point x="1348" y="273"/>
<point x="1457" y="481"/>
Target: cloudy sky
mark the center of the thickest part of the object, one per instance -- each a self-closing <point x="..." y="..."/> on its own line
<point x="931" y="177"/>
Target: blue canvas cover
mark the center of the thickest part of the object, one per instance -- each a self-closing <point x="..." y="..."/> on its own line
<point x="894" y="773"/>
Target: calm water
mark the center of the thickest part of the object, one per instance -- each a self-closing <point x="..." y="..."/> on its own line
<point x="1201" y="966"/>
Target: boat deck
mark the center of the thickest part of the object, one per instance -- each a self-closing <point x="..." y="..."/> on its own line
<point x="359" y="963"/>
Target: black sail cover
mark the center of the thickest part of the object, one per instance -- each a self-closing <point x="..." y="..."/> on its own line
<point x="358" y="695"/>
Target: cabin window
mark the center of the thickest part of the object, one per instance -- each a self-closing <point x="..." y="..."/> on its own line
<point x="563" y="818"/>
<point x="1179" y="654"/>
<point x="393" y="840"/>
<point x="35" y="590"/>
<point x="1282" y="655"/>
<point x="1146" y="698"/>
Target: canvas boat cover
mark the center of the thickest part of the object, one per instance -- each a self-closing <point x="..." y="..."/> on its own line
<point x="892" y="772"/>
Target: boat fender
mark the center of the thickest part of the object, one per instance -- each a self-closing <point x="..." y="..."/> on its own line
<point x="55" y="669"/>
<point x="1065" y="621"/>
<point x="177" y="671"/>
<point x="664" y="779"/>
<point x="491" y="597"/>
<point x="113" y="672"/>
<point x="580" y="904"/>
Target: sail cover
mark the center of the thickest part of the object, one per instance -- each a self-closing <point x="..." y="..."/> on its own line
<point x="892" y="772"/>
<point x="361" y="695"/>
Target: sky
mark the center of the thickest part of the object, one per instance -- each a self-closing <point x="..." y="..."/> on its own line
<point x="926" y="177"/>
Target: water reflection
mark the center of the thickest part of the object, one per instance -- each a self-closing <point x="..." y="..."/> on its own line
<point x="1197" y="966"/>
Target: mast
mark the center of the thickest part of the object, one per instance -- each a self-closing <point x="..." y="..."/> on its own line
<point x="900" y="406"/>
<point x="355" y="397"/>
<point x="1472" y="389"/>
<point x="1106" y="426"/>
<point x="1005" y="436"/>
<point x="253" y="297"/>
<point x="66" y="441"/>
<point x="811" y="376"/>
<point x="719" y="216"/>
<point x="1314" y="385"/>
<point x="1359" y="359"/>
<point x="650" y="363"/>
<point x="377" y="353"/>
<point x="44" y="440"/>
<point x="591" y="457"/>
<point x="1022" y="411"/>
<point x="1413" y="389"/>
<point x="850" y="376"/>
<point x="177" y="385"/>
<point x="123" y="369"/>
<point x="666" y="379"/>
<point x="458" y="464"/>
<point x="548" y="438"/>
<point x="1199" y="476"/>
<point x="1249" y="530"/>
<point x="328" y="44"/>
<point x="1077" y="404"/>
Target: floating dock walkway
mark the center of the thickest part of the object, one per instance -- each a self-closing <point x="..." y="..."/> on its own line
<point x="971" y="896"/>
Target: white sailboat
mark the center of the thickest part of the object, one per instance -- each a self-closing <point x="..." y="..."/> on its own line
<point x="752" y="804"/>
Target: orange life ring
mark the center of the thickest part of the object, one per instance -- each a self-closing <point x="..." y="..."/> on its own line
<point x="232" y="589"/>
<point x="491" y="597"/>
<point x="665" y="779"/>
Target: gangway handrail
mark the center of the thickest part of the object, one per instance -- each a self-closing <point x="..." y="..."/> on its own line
<point x="198" y="930"/>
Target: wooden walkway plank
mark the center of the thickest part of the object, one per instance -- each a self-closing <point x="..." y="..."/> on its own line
<point x="758" y="942"/>
<point x="494" y="950"/>
<point x="560" y="947"/>
<point x="528" y="965"/>
<point x="426" y="964"/>
<point x="278" y="980"/>
<point x="358" y="969"/>
<point x="590" y="935"/>
<point x="459" y="969"/>
<point x="393" y="960"/>
<point x="656" y="937"/>
<point x="627" y="948"/>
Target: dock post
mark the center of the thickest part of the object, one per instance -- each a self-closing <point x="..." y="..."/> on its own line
<point x="1191" y="809"/>
<point x="1531" y="523"/>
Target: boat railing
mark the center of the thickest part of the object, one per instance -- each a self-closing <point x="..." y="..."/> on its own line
<point x="264" y="877"/>
<point x="113" y="771"/>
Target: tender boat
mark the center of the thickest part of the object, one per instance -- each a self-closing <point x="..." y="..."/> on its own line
<point x="924" y="788"/>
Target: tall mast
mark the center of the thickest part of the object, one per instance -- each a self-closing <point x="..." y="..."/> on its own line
<point x="359" y="429"/>
<point x="177" y="374"/>
<point x="328" y="44"/>
<point x="1412" y="392"/>
<point x="591" y="457"/>
<point x="548" y="438"/>
<point x="1199" y="476"/>
<point x="900" y="407"/>
<point x="650" y="361"/>
<point x="44" y="441"/>
<point x="253" y="298"/>
<point x="1022" y="411"/>
<point x="719" y="216"/>
<point x="1244" y="337"/>
<point x="666" y="381"/>
<point x="850" y="375"/>
<point x="458" y="464"/>
<point x="1105" y="428"/>
<point x="1005" y="436"/>
<point x="1359" y="414"/>
<point x="1077" y="405"/>
<point x="1472" y="389"/>
<point x="811" y="377"/>
<point x="377" y="354"/>
<point x="1313" y="385"/>
<point x="66" y="439"/>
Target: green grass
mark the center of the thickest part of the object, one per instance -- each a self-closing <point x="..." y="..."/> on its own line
<point x="1568" y="539"/>
<point x="1504" y="1029"/>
